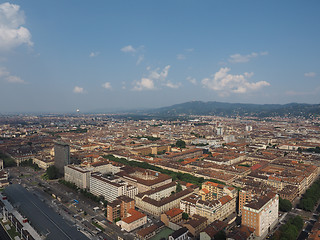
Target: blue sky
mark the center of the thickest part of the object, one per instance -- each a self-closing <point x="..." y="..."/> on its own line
<point x="57" y="56"/>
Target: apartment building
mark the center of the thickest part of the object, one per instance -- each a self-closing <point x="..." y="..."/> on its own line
<point x="143" y="179"/>
<point x="77" y="175"/>
<point x="111" y="187"/>
<point x="212" y="210"/>
<point x="261" y="214"/>
<point x="104" y="167"/>
<point x="157" y="207"/>
<point x="211" y="191"/>
<point x="196" y="224"/>
<point x="119" y="208"/>
<point x="173" y="215"/>
<point x="134" y="220"/>
<point x="192" y="153"/>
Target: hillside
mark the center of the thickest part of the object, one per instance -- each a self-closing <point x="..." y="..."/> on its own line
<point x="238" y="109"/>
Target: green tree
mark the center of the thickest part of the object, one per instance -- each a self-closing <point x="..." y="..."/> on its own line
<point x="221" y="235"/>
<point x="52" y="172"/>
<point x="185" y="216"/>
<point x="290" y="233"/>
<point x="307" y="204"/>
<point x="180" y="144"/>
<point x="285" y="205"/>
<point x="178" y="188"/>
<point x="298" y="222"/>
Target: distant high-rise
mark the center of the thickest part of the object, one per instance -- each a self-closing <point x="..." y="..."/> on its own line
<point x="219" y="130"/>
<point x="61" y="155"/>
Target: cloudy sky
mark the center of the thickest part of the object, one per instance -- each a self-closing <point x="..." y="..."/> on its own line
<point x="57" y="56"/>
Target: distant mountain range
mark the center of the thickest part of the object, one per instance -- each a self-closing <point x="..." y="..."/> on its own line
<point x="238" y="109"/>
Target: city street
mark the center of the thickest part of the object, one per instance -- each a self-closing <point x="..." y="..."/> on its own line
<point x="80" y="213"/>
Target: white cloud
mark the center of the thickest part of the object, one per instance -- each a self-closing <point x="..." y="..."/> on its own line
<point x="140" y="59"/>
<point x="12" y="34"/>
<point x="144" y="84"/>
<point x="155" y="77"/>
<point x="107" y="85"/>
<point x="14" y="79"/>
<point x="78" y="89"/>
<point x="192" y="80"/>
<point x="128" y="49"/>
<point x="172" y="85"/>
<point x="94" y="54"/>
<point x="225" y="83"/>
<point x="181" y="57"/>
<point x="310" y="74"/>
<point x="238" y="58"/>
<point x="189" y="50"/>
<point x="5" y="74"/>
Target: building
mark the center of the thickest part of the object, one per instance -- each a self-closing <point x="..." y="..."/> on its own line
<point x="261" y="214"/>
<point x="61" y="155"/>
<point x="191" y="153"/>
<point x="211" y="191"/>
<point x="143" y="179"/>
<point x="173" y="215"/>
<point x="157" y="207"/>
<point x="77" y="175"/>
<point x="212" y="229"/>
<point x="119" y="208"/>
<point x="43" y="163"/>
<point x="134" y="220"/>
<point x="180" y="234"/>
<point x="110" y="187"/>
<point x="149" y="232"/>
<point x="104" y="167"/>
<point x="3" y="179"/>
<point x="196" y="224"/>
<point x="289" y="192"/>
<point x="172" y="218"/>
<point x="212" y="210"/>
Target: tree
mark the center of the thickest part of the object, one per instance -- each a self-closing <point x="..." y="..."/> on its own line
<point x="178" y="188"/>
<point x="290" y="233"/>
<point x="298" y="222"/>
<point x="101" y="198"/>
<point x="185" y="216"/>
<point x="221" y="235"/>
<point x="285" y="205"/>
<point x="52" y="172"/>
<point x="180" y="144"/>
<point x="307" y="204"/>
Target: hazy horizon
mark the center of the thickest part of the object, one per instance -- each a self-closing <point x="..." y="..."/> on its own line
<point x="59" y="56"/>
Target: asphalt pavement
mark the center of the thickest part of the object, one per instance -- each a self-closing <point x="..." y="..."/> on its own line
<point x="43" y="218"/>
<point x="3" y="234"/>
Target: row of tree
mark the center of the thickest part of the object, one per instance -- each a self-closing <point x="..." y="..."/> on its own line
<point x="285" y="205"/>
<point x="29" y="163"/>
<point x="175" y="175"/>
<point x="290" y="230"/>
<point x="310" y="197"/>
<point x="7" y="161"/>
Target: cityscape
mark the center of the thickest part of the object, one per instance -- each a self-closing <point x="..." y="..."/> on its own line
<point x="159" y="120"/>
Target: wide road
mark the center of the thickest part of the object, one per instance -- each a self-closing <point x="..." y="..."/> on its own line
<point x="43" y="218"/>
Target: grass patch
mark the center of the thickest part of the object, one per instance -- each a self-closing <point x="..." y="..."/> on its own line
<point x="12" y="232"/>
<point x="98" y="226"/>
<point x="25" y="175"/>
